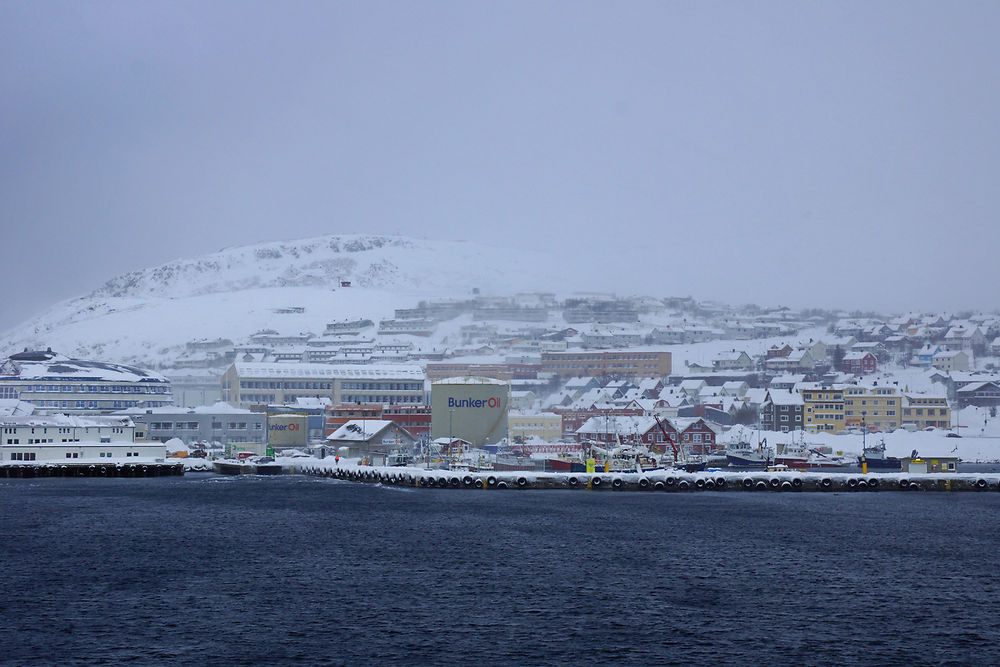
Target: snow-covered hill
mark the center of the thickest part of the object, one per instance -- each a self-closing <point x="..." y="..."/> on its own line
<point x="146" y="317"/>
<point x="370" y="262"/>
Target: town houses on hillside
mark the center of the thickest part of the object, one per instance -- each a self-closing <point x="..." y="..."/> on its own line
<point x="597" y="367"/>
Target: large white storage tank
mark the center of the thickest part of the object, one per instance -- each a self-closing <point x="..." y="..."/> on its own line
<point x="287" y="430"/>
<point x="471" y="408"/>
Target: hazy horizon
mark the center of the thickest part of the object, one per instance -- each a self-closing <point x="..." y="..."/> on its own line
<point x="834" y="155"/>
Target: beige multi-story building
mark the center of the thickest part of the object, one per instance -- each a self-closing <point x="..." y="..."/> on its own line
<point x="246" y="384"/>
<point x="619" y="363"/>
<point x="822" y="407"/>
<point x="926" y="410"/>
<point x="544" y="425"/>
<point x="877" y="408"/>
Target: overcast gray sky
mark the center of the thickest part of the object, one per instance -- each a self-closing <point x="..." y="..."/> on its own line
<point x="825" y="153"/>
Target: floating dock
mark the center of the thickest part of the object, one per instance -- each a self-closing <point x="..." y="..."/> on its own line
<point x="91" y="469"/>
<point x="659" y="480"/>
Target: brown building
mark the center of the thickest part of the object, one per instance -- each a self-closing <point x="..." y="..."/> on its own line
<point x="617" y="363"/>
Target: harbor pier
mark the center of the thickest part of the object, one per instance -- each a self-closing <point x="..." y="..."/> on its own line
<point x="91" y="469"/>
<point x="659" y="480"/>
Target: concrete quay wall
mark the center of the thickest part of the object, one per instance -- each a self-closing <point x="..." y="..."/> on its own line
<point x="658" y="480"/>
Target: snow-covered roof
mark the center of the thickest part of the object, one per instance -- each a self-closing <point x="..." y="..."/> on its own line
<point x="72" y="421"/>
<point x="976" y="386"/>
<point x="220" y="407"/>
<point x="973" y="376"/>
<point x="250" y="369"/>
<point x="820" y="386"/>
<point x="732" y="355"/>
<point x="785" y="397"/>
<point x="307" y="403"/>
<point x="788" y="378"/>
<point x="58" y="367"/>
<point x="684" y="423"/>
<point x="360" y="430"/>
<point x="470" y="380"/>
<point x="12" y="407"/>
<point x="622" y="425"/>
<point x="532" y="413"/>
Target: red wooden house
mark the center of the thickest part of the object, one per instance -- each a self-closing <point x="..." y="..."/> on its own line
<point x="860" y="363"/>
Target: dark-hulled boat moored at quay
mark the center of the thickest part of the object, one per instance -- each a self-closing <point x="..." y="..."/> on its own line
<point x="746" y="456"/>
<point x="874" y="456"/>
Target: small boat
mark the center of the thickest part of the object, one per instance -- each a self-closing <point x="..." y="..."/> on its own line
<point x="690" y="464"/>
<point x="398" y="458"/>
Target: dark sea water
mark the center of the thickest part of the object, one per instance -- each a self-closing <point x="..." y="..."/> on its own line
<point x="218" y="570"/>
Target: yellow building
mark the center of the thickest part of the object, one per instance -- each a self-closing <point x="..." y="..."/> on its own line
<point x="822" y="407"/>
<point x="880" y="408"/>
<point x="544" y="425"/>
<point x="926" y="410"/>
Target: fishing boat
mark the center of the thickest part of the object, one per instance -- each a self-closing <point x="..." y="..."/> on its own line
<point x="800" y="455"/>
<point x="874" y="456"/>
<point x="746" y="455"/>
<point x="681" y="459"/>
<point x="793" y="455"/>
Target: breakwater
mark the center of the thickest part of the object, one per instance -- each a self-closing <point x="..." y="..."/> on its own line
<point x="91" y="470"/>
<point x="659" y="480"/>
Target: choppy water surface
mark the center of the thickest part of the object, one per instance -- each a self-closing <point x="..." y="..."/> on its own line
<point x="206" y="569"/>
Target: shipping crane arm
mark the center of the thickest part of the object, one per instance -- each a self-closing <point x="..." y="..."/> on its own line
<point x="667" y="436"/>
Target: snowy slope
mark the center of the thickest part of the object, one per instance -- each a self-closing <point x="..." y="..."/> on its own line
<point x="370" y="262"/>
<point x="146" y="317"/>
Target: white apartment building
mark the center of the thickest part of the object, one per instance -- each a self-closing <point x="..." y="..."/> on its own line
<point x="73" y="439"/>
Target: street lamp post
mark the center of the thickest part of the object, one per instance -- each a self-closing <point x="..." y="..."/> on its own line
<point x="864" y="440"/>
<point x="451" y="439"/>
